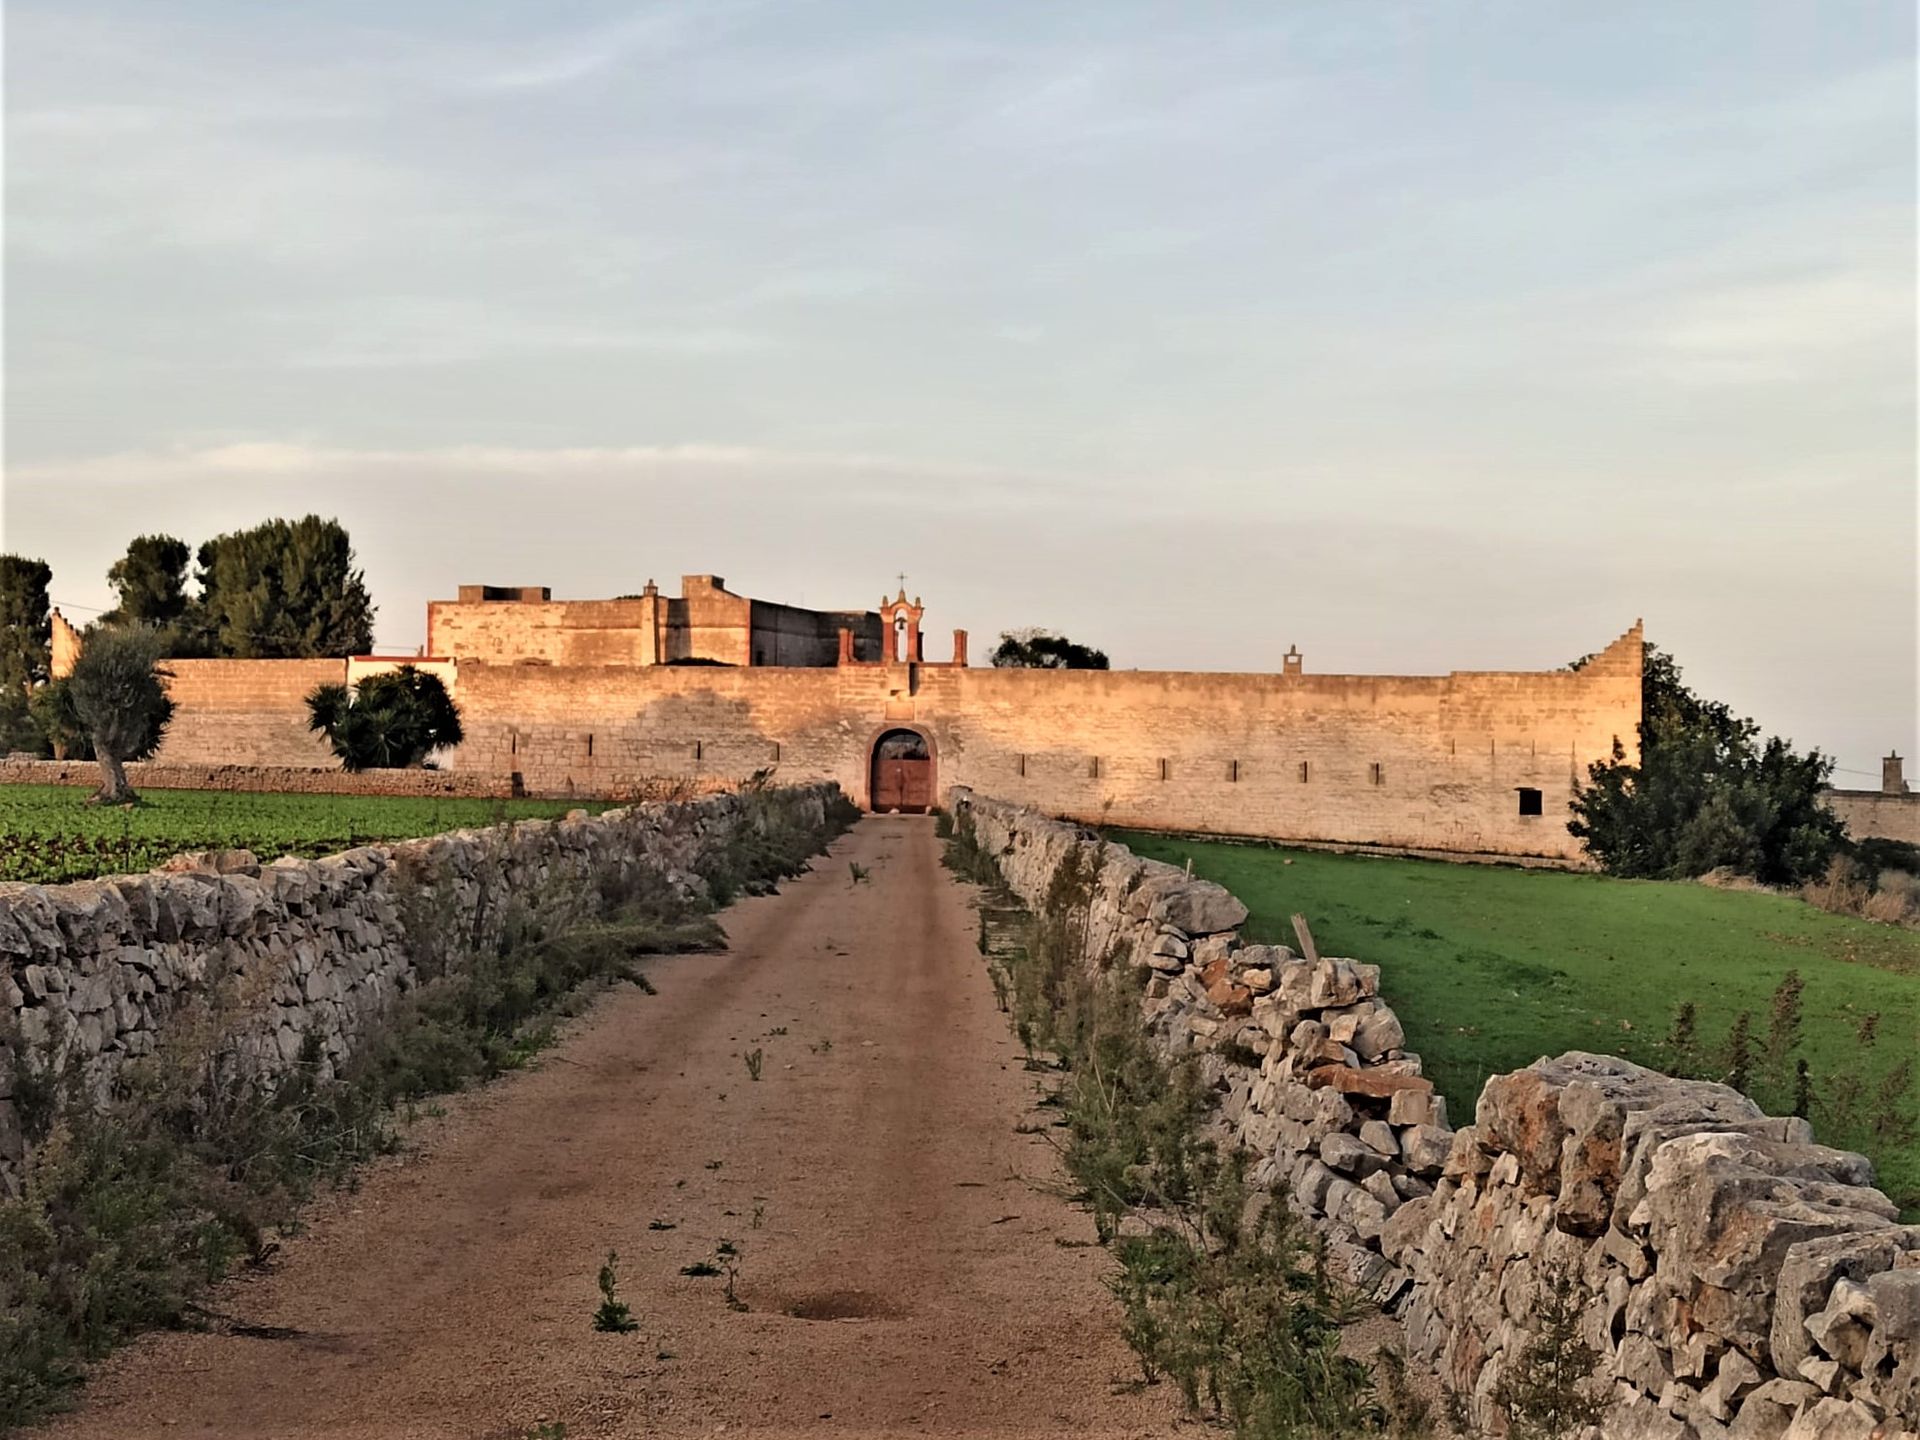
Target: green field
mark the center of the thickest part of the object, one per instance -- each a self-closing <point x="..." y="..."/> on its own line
<point x="48" y="833"/>
<point x="1491" y="968"/>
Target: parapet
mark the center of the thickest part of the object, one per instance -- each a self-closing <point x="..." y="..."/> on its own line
<point x="510" y="594"/>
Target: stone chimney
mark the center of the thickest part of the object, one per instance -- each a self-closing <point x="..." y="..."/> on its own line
<point x="1892" y="782"/>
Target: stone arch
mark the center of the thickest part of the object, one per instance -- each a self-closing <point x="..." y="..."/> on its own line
<point x="902" y="773"/>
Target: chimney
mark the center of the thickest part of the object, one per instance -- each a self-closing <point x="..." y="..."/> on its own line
<point x="960" y="649"/>
<point x="1892" y="782"/>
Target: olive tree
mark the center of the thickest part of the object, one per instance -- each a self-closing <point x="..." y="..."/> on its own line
<point x="117" y="692"/>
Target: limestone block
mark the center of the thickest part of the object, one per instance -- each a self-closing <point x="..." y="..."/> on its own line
<point x="1807" y="1276"/>
<point x="1199" y="907"/>
<point x="1840" y="1330"/>
<point x="1425" y="1149"/>
<point x="1835" y="1420"/>
<point x="1349" y="1156"/>
<point x="1734" y="1377"/>
<point x="1410" y="1107"/>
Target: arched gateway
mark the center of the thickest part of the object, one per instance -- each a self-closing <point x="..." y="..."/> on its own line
<point x="900" y="774"/>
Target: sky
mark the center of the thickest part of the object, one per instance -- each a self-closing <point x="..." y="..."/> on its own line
<point x="1423" y="336"/>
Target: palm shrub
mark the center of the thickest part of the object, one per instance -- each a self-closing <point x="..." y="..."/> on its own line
<point x="390" y="721"/>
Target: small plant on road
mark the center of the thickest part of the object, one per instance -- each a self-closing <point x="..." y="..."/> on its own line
<point x="700" y="1269"/>
<point x="861" y="874"/>
<point x="731" y="1254"/>
<point x="755" y="1058"/>
<point x="614" y="1315"/>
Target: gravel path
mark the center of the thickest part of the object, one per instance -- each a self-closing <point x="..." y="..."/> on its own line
<point x="872" y="1179"/>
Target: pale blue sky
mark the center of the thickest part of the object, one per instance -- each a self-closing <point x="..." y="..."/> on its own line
<point x="1424" y="336"/>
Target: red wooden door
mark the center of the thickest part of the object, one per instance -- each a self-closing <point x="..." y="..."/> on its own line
<point x="905" y="785"/>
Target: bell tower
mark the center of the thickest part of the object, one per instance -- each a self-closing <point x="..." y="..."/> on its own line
<point x="900" y="624"/>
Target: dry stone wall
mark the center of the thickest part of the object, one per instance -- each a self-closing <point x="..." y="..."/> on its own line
<point x="102" y="972"/>
<point x="273" y="779"/>
<point x="1737" y="1278"/>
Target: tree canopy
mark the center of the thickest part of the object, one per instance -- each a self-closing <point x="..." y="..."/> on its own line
<point x="150" y="582"/>
<point x="26" y="638"/>
<point x="285" y="589"/>
<point x="117" y="693"/>
<point x="1043" y="650"/>
<point x="1708" y="792"/>
<point x="389" y="721"/>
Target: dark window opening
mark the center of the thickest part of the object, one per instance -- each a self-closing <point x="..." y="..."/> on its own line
<point x="1378" y="773"/>
<point x="1023" y="766"/>
<point x="1093" y="768"/>
<point x="1530" y="801"/>
<point x="1303" y="772"/>
<point x="1233" y="771"/>
<point x="1165" y="769"/>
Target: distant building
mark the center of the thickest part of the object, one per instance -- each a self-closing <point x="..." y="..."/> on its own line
<point x="594" y="697"/>
<point x="1890" y="813"/>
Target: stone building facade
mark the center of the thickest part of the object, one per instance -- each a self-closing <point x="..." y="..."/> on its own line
<point x="705" y="624"/>
<point x="1890" y="813"/>
<point x="583" y="698"/>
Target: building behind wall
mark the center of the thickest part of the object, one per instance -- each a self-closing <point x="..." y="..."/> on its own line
<point x="594" y="697"/>
<point x="705" y="624"/>
<point x="1890" y="813"/>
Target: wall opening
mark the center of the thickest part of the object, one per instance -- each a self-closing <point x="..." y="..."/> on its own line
<point x="1530" y="801"/>
<point x="900" y="774"/>
<point x="1305" y="772"/>
<point x="1377" y="773"/>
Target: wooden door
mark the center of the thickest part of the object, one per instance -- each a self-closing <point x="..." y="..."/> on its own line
<point x="903" y="785"/>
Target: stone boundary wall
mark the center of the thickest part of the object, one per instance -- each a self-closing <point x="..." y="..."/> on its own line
<point x="277" y="779"/>
<point x="1737" y="1278"/>
<point x="101" y="972"/>
<point x="402" y="784"/>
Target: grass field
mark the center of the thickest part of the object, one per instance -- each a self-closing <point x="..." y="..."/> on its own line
<point x="1491" y="968"/>
<point x="48" y="833"/>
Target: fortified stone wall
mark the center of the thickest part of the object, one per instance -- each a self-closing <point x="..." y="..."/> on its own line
<point x="1446" y="763"/>
<point x="103" y="972"/>
<point x="1738" y="1279"/>
<point x="246" y="712"/>
<point x="1876" y="815"/>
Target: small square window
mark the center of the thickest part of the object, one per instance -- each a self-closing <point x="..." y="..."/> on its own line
<point x="1530" y="801"/>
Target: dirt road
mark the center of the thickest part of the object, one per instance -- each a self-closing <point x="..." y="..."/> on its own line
<point x="872" y="1177"/>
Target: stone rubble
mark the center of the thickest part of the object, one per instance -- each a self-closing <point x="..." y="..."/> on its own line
<point x="1739" y="1279"/>
<point x="98" y="973"/>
